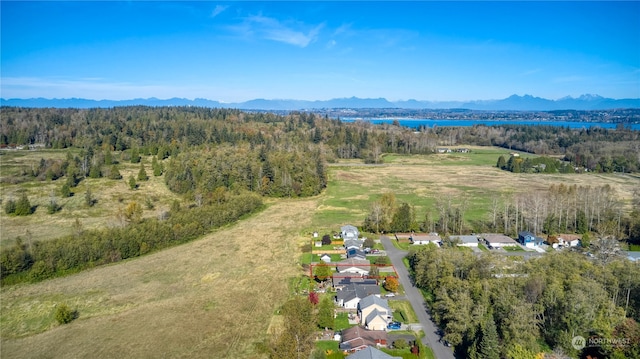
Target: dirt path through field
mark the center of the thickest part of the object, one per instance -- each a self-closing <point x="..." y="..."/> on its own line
<point x="213" y="297"/>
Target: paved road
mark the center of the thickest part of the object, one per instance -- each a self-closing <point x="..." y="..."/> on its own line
<point x="412" y="293"/>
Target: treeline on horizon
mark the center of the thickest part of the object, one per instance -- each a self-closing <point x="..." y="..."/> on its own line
<point x="172" y="130"/>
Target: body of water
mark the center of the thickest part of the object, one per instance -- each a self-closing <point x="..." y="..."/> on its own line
<point x="426" y="122"/>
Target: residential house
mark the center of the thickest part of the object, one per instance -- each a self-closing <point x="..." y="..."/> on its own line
<point x="421" y="238"/>
<point x="466" y="241"/>
<point x="494" y="240"/>
<point x="318" y="243"/>
<point x="568" y="240"/>
<point x="325" y="258"/>
<point x="355" y="266"/>
<point x="357" y="338"/>
<point x="353" y="244"/>
<point x="349" y="296"/>
<point x="529" y="239"/>
<point x="343" y="280"/>
<point x="356" y="254"/>
<point x="371" y="353"/>
<point x="374" y="312"/>
<point x="349" y="232"/>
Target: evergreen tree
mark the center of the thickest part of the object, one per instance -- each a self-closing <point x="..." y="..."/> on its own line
<point x="114" y="173"/>
<point x="502" y="163"/>
<point x="23" y="206"/>
<point x="10" y="207"/>
<point x="135" y="155"/>
<point x="94" y="172"/>
<point x="88" y="198"/>
<point x="156" y="166"/>
<point x="132" y="183"/>
<point x="142" y="174"/>
<point x="489" y="345"/>
<point x="65" y="191"/>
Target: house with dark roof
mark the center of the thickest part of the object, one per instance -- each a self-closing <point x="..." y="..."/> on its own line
<point x="356" y="254"/>
<point x="353" y="244"/>
<point x="529" y="239"/>
<point x="350" y="296"/>
<point x="371" y="353"/>
<point x="357" y="338"/>
<point x="343" y="280"/>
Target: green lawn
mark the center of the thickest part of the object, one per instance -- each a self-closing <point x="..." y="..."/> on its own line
<point x="425" y="352"/>
<point x="513" y="249"/>
<point x="341" y="322"/>
<point x="403" y="311"/>
<point x="330" y="348"/>
<point x="483" y="247"/>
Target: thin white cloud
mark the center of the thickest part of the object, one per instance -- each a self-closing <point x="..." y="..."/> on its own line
<point x="271" y="29"/>
<point x="92" y="88"/>
<point x="219" y="9"/>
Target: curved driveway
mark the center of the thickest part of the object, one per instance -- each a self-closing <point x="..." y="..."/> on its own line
<point x="431" y="338"/>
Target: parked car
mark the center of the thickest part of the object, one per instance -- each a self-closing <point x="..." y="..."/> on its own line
<point x="389" y="295"/>
<point x="394" y="325"/>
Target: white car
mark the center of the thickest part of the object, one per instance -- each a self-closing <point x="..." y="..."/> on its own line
<point x="389" y="295"/>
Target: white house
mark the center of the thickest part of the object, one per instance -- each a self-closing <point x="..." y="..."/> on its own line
<point x="420" y="238"/>
<point x="355" y="266"/>
<point x="372" y="309"/>
<point x="498" y="240"/>
<point x="349" y="232"/>
<point x="466" y="241"/>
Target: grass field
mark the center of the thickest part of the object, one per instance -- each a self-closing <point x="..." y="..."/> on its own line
<point x="422" y="179"/>
<point x="110" y="196"/>
<point x="211" y="297"/>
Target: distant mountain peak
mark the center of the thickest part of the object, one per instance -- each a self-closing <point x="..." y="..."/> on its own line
<point x="514" y="102"/>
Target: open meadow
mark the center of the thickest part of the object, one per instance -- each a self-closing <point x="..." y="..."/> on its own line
<point x="110" y="196"/>
<point x="213" y="297"/>
<point x="218" y="295"/>
<point x="421" y="180"/>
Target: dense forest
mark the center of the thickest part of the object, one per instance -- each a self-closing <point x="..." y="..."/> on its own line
<point x="494" y="307"/>
<point x="167" y="131"/>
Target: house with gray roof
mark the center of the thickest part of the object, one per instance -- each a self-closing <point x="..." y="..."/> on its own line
<point x="374" y="305"/>
<point x="349" y="232"/>
<point x="465" y="241"/>
<point x="350" y="296"/>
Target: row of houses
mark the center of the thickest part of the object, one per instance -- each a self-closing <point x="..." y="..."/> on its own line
<point x="492" y="240"/>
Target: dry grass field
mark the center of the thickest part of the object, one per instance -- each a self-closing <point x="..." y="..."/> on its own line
<point x="110" y="196"/>
<point x="213" y="297"/>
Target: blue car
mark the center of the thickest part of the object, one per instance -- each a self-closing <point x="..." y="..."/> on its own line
<point x="394" y="325"/>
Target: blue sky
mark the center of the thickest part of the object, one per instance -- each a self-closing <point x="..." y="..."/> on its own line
<point x="237" y="51"/>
